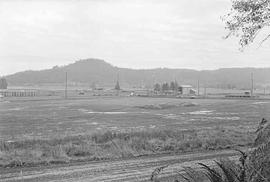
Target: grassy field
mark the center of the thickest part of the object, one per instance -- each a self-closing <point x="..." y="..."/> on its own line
<point x="51" y="131"/>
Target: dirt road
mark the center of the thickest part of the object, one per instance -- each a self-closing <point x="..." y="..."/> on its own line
<point x="138" y="169"/>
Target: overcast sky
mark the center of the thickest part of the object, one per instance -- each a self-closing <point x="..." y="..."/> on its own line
<point x="126" y="33"/>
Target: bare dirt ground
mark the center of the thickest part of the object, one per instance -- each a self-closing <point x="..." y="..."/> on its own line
<point x="137" y="169"/>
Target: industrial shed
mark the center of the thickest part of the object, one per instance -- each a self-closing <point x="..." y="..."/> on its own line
<point x="186" y="90"/>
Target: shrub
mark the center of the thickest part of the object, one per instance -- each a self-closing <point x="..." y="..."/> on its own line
<point x="253" y="167"/>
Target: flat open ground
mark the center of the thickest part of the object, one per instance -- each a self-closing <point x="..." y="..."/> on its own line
<point x="219" y="124"/>
<point x="43" y="119"/>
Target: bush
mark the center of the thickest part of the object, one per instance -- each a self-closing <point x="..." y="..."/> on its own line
<point x="253" y="167"/>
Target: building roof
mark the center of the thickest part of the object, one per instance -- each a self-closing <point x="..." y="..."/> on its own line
<point x="185" y="86"/>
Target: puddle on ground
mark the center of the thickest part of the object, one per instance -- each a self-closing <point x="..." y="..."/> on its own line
<point x="235" y="118"/>
<point x="259" y="103"/>
<point x="94" y="112"/>
<point x="15" y="109"/>
<point x="171" y="116"/>
<point x="202" y="112"/>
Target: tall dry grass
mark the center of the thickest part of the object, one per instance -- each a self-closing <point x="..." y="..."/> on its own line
<point x="112" y="145"/>
<point x="253" y="166"/>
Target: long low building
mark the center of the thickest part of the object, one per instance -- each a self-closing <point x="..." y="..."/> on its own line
<point x="18" y="93"/>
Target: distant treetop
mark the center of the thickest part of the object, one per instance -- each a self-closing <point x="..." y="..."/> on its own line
<point x="246" y="19"/>
<point x="117" y="86"/>
<point x="3" y="83"/>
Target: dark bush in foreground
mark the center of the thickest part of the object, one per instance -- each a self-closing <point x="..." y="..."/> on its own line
<point x="253" y="166"/>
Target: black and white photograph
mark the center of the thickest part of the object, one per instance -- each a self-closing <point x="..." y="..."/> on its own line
<point x="135" y="90"/>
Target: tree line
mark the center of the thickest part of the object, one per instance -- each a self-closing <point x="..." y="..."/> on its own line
<point x="162" y="87"/>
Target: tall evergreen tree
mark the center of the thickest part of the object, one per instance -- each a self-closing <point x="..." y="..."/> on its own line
<point x="3" y="83"/>
<point x="157" y="87"/>
<point x="172" y="86"/>
<point x="117" y="86"/>
<point x="165" y="87"/>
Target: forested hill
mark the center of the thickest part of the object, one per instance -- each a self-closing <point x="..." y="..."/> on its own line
<point x="89" y="71"/>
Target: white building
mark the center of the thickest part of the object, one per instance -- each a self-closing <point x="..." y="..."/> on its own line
<point x="186" y="90"/>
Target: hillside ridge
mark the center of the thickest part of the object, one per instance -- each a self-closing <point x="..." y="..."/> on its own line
<point x="98" y="71"/>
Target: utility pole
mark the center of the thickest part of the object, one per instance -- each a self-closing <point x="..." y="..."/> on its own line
<point x="204" y="90"/>
<point x="66" y="86"/>
<point x="175" y="87"/>
<point x="252" y="85"/>
<point x="117" y="86"/>
<point x="198" y="87"/>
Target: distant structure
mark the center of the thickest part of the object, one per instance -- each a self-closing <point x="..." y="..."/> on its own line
<point x="186" y="90"/>
<point x="66" y="87"/>
<point x="18" y="93"/>
<point x="198" y="87"/>
<point x="252" y="85"/>
<point x="173" y="89"/>
<point x="3" y="84"/>
<point x="246" y="94"/>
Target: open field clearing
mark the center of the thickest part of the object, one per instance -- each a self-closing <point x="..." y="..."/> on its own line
<point x="43" y="119"/>
<point x="45" y="132"/>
